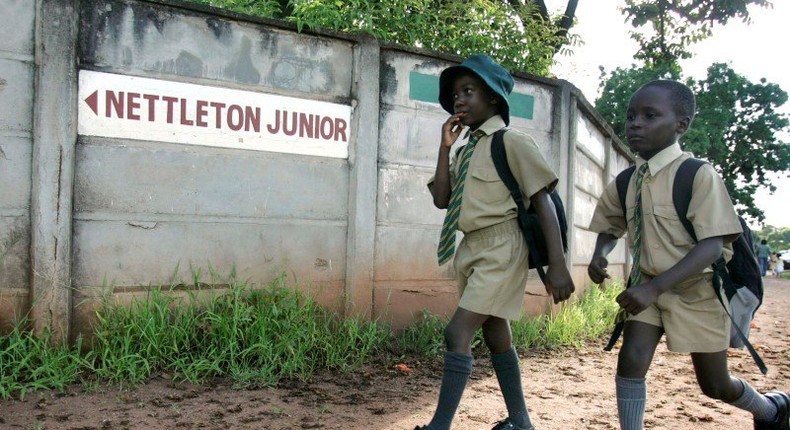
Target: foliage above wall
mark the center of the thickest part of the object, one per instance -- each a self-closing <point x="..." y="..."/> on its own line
<point x="519" y="34"/>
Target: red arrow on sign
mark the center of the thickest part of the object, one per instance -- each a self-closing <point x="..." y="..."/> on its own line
<point x="92" y="101"/>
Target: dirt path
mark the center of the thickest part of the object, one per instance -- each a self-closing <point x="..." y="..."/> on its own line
<point x="568" y="390"/>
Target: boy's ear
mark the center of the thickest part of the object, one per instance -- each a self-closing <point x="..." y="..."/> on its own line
<point x="683" y="125"/>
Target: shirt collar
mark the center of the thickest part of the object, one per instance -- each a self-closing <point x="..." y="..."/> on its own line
<point x="490" y="126"/>
<point x="662" y="159"/>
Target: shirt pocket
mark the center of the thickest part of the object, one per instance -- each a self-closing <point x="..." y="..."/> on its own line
<point x="669" y="226"/>
<point x="486" y="186"/>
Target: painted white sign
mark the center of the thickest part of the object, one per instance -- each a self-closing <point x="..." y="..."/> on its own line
<point x="129" y="107"/>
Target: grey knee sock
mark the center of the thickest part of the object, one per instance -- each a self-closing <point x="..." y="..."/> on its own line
<point x="457" y="368"/>
<point x="756" y="403"/>
<point x="631" y="399"/>
<point x="509" y="377"/>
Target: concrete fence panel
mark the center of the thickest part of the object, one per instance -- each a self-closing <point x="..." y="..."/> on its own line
<point x="147" y="143"/>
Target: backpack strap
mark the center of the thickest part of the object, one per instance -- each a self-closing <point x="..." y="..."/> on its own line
<point x="681" y="191"/>
<point x="499" y="156"/>
<point x="622" y="186"/>
<point x="681" y="198"/>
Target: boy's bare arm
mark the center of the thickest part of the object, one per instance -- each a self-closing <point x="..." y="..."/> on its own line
<point x="637" y="298"/>
<point x="604" y="244"/>
<point x="558" y="280"/>
<point x="451" y="129"/>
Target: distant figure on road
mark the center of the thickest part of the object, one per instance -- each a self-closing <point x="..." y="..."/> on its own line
<point x="779" y="264"/>
<point x="763" y="254"/>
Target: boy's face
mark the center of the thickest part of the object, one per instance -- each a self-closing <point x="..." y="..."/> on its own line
<point x="651" y="122"/>
<point x="473" y="99"/>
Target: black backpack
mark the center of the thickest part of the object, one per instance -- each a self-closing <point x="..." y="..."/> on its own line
<point x="740" y="278"/>
<point x="527" y="218"/>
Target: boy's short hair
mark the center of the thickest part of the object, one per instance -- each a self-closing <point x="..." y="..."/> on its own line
<point x="683" y="101"/>
<point x="496" y="78"/>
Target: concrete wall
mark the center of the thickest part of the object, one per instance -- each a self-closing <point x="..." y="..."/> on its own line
<point x="118" y="215"/>
<point x="143" y="208"/>
<point x="597" y="159"/>
<point x="17" y="74"/>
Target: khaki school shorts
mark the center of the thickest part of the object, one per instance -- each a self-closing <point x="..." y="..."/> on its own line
<point x="491" y="265"/>
<point x="691" y="315"/>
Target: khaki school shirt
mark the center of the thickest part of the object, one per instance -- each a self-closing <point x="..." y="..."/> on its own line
<point x="664" y="239"/>
<point x="486" y="200"/>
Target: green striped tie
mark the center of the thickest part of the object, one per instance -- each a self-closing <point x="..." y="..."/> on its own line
<point x="447" y="239"/>
<point x="636" y="271"/>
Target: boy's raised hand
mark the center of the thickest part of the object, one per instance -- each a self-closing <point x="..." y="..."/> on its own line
<point x="451" y="129"/>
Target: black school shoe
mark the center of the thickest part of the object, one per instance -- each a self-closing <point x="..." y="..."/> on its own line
<point x="506" y="424"/>
<point x="782" y="420"/>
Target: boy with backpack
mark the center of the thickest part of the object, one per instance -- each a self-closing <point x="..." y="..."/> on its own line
<point x="491" y="262"/>
<point x="670" y="287"/>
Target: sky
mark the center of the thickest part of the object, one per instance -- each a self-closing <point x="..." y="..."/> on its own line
<point x="752" y="50"/>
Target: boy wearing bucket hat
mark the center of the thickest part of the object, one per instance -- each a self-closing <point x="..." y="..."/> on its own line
<point x="491" y="261"/>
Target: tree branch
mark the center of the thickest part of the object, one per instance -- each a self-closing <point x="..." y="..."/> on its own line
<point x="566" y="22"/>
<point x="544" y="11"/>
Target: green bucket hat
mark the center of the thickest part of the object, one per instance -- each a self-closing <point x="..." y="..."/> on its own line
<point x="495" y="76"/>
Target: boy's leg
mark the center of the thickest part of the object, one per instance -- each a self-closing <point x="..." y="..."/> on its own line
<point x="498" y="338"/>
<point x="457" y="365"/>
<point x="639" y="344"/>
<point x="715" y="381"/>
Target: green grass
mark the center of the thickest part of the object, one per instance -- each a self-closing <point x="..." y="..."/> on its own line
<point x="253" y="336"/>
<point x="256" y="337"/>
<point x="423" y="337"/>
<point x="590" y="316"/>
<point x="29" y="362"/>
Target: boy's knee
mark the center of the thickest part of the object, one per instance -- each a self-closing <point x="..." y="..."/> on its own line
<point x="498" y="345"/>
<point x="633" y="362"/>
<point x="454" y="338"/>
<point x="497" y="337"/>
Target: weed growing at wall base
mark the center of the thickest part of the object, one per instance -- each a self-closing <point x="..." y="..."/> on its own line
<point x="256" y="337"/>
<point x="29" y="362"/>
<point x="423" y="337"/>
<point x="253" y="336"/>
<point x="590" y="316"/>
